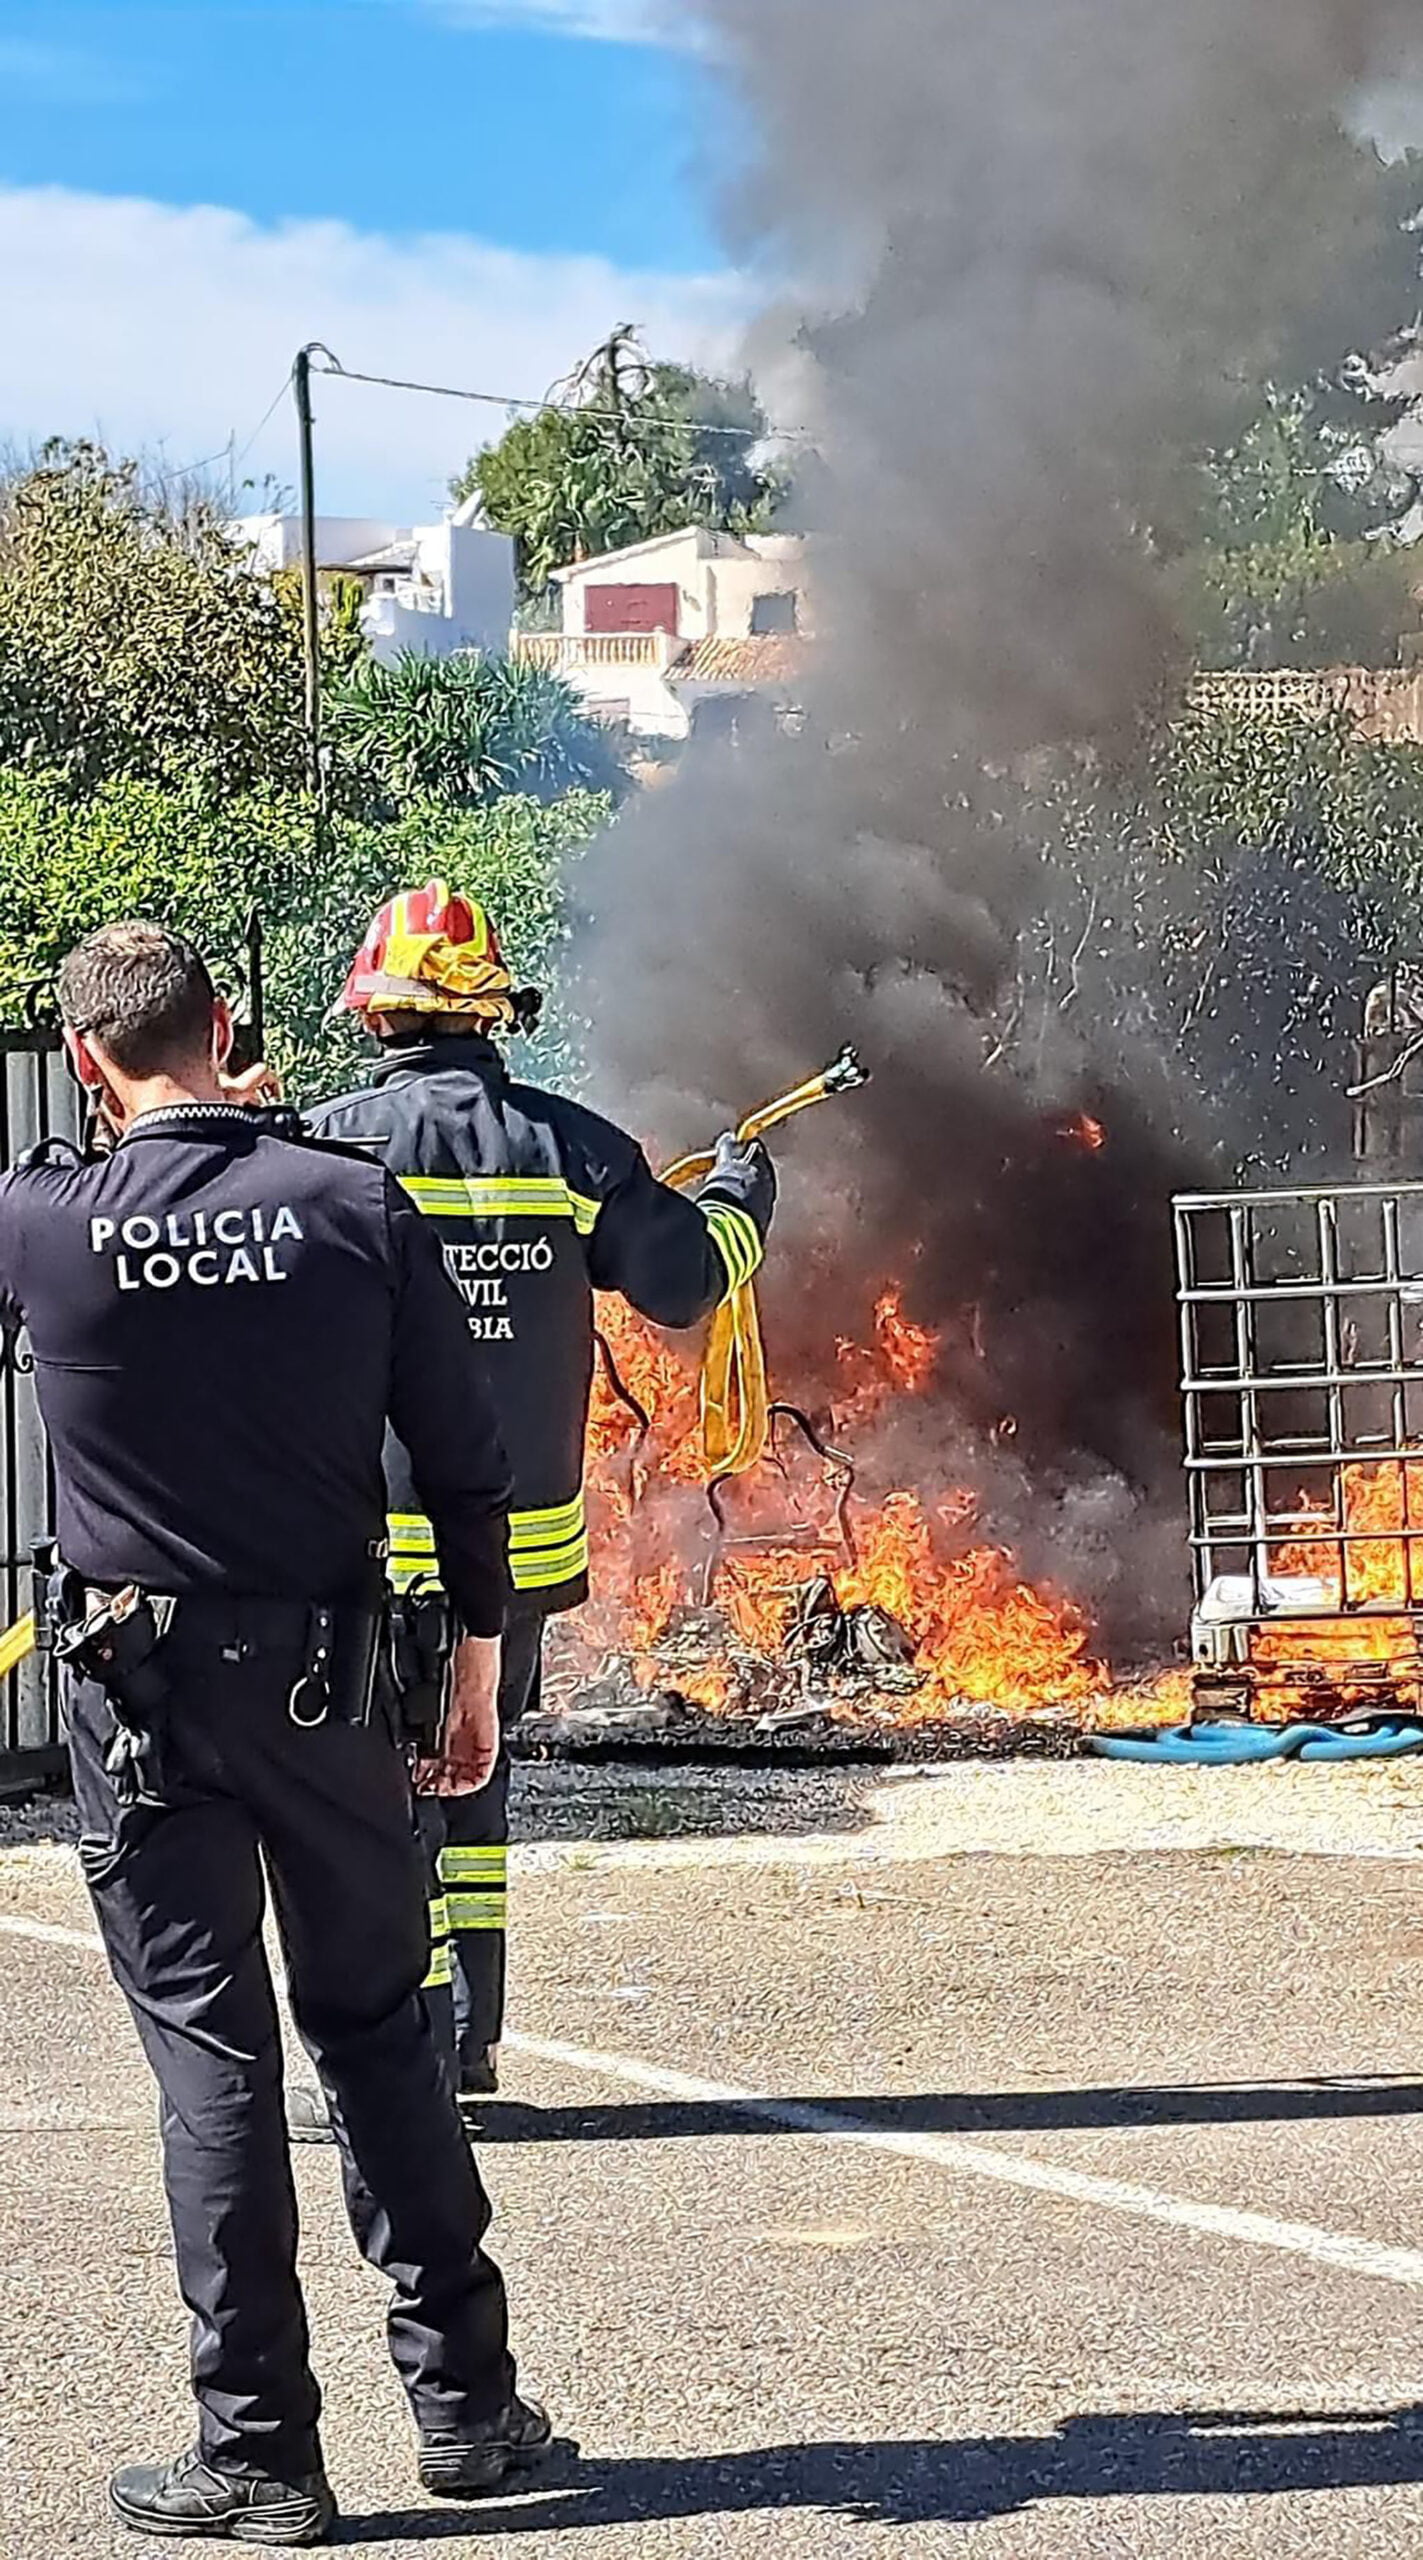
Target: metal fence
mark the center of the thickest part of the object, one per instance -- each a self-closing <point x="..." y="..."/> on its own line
<point x="37" y="1100"/>
<point x="1379" y="702"/>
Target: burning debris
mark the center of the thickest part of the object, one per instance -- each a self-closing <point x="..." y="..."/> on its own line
<point x="834" y="1639"/>
<point x="820" y="1585"/>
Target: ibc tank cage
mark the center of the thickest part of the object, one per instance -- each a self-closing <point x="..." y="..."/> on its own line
<point x="1301" y="1322"/>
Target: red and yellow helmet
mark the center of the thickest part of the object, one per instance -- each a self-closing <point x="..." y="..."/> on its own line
<point x="431" y="951"/>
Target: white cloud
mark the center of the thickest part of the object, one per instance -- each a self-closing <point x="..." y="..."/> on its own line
<point x="614" y="21"/>
<point x="154" y="325"/>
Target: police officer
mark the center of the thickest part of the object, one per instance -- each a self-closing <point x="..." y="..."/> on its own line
<point x="537" y="1204"/>
<point x="222" y="1320"/>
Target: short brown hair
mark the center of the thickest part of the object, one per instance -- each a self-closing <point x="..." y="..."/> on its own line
<point x="144" y="993"/>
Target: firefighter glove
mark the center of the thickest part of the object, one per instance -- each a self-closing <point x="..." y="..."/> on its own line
<point x="744" y="1172"/>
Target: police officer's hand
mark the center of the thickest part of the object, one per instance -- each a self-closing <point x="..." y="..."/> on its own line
<point x="258" y="1087"/>
<point x="471" y="1746"/>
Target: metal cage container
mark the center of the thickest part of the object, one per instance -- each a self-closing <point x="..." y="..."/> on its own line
<point x="1302" y="1381"/>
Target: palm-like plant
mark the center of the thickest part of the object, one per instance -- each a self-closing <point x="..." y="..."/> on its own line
<point x="465" y="730"/>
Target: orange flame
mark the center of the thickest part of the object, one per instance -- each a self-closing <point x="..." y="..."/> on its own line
<point x="1360" y="1582"/>
<point x="1083" y="1131"/>
<point x="981" y="1632"/>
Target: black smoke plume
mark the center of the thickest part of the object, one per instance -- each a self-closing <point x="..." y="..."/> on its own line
<point x="1049" y="249"/>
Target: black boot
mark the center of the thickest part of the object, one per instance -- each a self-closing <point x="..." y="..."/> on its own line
<point x="479" y="2072"/>
<point x="187" y="2497"/>
<point x="471" y="2464"/>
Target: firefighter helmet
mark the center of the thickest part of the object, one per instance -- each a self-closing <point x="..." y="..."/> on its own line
<point x="432" y="951"/>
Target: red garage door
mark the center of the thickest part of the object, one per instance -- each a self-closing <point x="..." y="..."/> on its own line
<point x="632" y="609"/>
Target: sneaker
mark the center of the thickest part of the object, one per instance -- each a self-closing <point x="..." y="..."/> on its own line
<point x="470" y="2465"/>
<point x="188" y="2497"/>
<point x="308" y="2115"/>
<point x="479" y="2073"/>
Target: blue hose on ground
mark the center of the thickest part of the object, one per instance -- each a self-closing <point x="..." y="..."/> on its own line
<point x="1231" y="1743"/>
<point x="1381" y="1738"/>
<point x="1217" y="1746"/>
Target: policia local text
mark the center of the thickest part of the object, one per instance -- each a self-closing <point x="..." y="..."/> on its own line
<point x="215" y="1252"/>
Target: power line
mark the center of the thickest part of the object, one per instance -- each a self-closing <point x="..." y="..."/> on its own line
<point x="277" y="398"/>
<point x="630" y="420"/>
<point x="234" y="461"/>
<point x="186" y="470"/>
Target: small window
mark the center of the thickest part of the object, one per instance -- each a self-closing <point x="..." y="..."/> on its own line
<point x="778" y="612"/>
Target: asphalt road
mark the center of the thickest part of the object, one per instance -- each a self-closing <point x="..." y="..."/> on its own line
<point x="1103" y="2234"/>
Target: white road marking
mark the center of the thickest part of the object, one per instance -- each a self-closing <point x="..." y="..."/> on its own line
<point x="968" y="2157"/>
<point x="52" y="1935"/>
<point x="964" y="2155"/>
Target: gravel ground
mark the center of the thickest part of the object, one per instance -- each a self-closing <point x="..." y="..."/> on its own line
<point x="1016" y="1809"/>
<point x="557" y="1801"/>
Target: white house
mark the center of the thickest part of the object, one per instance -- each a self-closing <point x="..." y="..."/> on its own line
<point x="656" y="636"/>
<point x="430" y="587"/>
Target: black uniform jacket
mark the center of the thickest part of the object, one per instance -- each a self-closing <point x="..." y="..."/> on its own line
<point x="538" y="1203"/>
<point x="223" y="1321"/>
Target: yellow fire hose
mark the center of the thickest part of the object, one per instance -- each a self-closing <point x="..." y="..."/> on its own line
<point x="16" y="1645"/>
<point x="735" y="1397"/>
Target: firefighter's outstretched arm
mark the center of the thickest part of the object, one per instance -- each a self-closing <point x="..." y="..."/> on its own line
<point x="440" y="1408"/>
<point x="675" y="1258"/>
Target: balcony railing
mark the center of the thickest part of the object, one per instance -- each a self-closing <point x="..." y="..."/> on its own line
<point x="574" y="652"/>
<point x="1380" y="702"/>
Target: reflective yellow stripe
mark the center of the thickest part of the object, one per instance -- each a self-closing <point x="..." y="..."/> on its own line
<point x="442" y="1959"/>
<point x="546" y="1548"/>
<point x="474" y="1866"/>
<point x="469" y="1911"/>
<point x="546" y="1528"/>
<point x="412" y="1550"/>
<point x="543" y="1570"/>
<point x="509" y="1195"/>
<point x="737" y="1239"/>
<point x="546" y="1572"/>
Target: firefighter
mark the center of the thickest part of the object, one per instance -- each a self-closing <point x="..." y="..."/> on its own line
<point x="537" y="1204"/>
<point x="222" y="1321"/>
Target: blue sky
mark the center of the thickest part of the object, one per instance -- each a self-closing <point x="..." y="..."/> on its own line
<point x="465" y="189"/>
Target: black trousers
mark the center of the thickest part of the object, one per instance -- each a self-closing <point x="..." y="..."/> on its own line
<point x="467" y="1843"/>
<point x="247" y="1798"/>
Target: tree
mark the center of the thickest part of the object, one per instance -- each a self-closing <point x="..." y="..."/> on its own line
<point x="1208" y="914"/>
<point x="1299" y="552"/>
<point x="135" y="848"/>
<point x="462" y="730"/>
<point x="131" y="642"/>
<point x="633" y="449"/>
<point x="1296" y="566"/>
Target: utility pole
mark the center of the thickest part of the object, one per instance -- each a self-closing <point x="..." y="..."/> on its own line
<point x="310" y="603"/>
